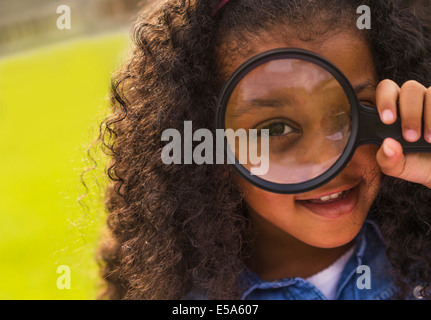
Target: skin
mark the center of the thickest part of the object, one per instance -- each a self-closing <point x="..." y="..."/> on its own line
<point x="292" y="242"/>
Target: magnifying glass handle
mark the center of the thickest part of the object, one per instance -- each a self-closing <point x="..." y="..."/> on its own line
<point x="373" y="131"/>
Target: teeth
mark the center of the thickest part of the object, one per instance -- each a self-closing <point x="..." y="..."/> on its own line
<point x="331" y="196"/>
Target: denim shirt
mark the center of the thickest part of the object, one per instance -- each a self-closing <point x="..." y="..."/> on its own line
<point x="366" y="276"/>
<point x="371" y="281"/>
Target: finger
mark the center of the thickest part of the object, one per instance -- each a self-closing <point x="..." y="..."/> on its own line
<point x="386" y="98"/>
<point x="390" y="158"/>
<point x="412" y="95"/>
<point x="427" y="115"/>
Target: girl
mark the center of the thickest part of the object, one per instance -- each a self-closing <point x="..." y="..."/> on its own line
<point x="201" y="231"/>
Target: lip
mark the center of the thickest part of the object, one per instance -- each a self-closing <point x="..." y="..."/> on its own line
<point x="336" y="209"/>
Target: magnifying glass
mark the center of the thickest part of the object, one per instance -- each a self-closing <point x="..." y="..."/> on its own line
<point x="296" y="112"/>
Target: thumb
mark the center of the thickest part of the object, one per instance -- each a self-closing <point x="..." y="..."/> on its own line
<point x="391" y="158"/>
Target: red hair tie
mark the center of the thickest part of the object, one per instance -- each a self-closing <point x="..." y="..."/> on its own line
<point x="222" y="3"/>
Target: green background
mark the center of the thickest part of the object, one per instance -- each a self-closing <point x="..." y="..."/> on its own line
<point x="52" y="101"/>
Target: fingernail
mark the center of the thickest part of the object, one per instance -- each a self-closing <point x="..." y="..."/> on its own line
<point x="428" y="137"/>
<point x="387" y="115"/>
<point x="411" y="135"/>
<point x="387" y="150"/>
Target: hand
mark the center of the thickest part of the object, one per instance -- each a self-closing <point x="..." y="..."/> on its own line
<point x="414" y="103"/>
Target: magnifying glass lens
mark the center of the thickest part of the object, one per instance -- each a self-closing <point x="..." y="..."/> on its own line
<point x="287" y="121"/>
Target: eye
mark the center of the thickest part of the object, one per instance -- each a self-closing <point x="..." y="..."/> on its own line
<point x="277" y="128"/>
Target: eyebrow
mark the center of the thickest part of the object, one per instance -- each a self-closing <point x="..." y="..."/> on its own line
<point x="259" y="103"/>
<point x="246" y="106"/>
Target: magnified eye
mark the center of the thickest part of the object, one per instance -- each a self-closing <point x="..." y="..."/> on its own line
<point x="278" y="128"/>
<point x="295" y="112"/>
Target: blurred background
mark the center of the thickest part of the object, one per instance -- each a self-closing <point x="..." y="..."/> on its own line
<point x="54" y="86"/>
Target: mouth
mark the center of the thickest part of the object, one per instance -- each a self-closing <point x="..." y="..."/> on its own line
<point x="333" y="204"/>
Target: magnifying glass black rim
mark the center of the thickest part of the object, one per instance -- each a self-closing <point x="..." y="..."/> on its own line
<point x="289" y="53"/>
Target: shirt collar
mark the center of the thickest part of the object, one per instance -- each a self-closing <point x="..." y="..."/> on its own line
<point x="251" y="281"/>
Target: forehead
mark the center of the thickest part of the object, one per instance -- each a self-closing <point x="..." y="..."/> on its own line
<point x="348" y="52"/>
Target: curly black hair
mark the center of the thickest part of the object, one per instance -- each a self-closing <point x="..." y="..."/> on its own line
<point x="174" y="228"/>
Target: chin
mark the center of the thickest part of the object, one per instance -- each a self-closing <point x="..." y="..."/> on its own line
<point x="331" y="244"/>
<point x="335" y="239"/>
